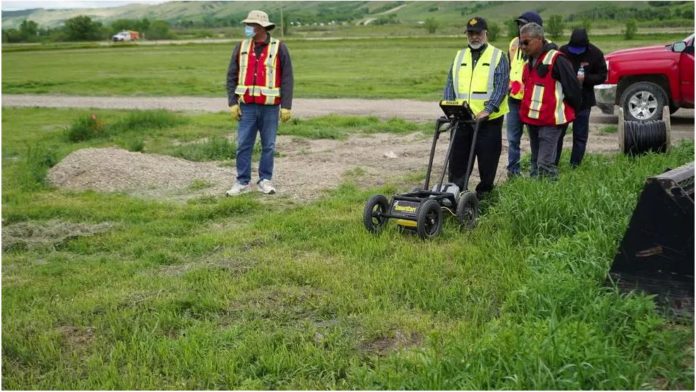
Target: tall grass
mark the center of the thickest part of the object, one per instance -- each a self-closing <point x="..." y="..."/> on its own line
<point x="34" y="165"/>
<point x="212" y="149"/>
<point x="259" y="293"/>
<point x="134" y="123"/>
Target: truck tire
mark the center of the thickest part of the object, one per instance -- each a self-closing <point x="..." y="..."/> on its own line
<point x="643" y="101"/>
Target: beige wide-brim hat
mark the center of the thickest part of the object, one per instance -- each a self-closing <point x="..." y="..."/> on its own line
<point x="259" y="17"/>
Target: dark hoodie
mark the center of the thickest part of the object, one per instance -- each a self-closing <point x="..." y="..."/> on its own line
<point x="592" y="61"/>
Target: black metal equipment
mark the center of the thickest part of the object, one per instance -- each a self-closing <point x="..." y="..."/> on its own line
<point x="656" y="254"/>
<point x="421" y="209"/>
<point x="643" y="136"/>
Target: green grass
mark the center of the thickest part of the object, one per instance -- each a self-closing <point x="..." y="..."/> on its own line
<point x="609" y="129"/>
<point x="242" y="293"/>
<point x="340" y="127"/>
<point x="323" y="69"/>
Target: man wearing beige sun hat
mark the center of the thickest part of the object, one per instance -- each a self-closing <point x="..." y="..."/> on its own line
<point x="259" y="91"/>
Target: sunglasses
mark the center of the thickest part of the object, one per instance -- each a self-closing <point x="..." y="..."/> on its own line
<point x="525" y="42"/>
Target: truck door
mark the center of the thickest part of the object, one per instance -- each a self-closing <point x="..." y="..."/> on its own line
<point x="686" y="72"/>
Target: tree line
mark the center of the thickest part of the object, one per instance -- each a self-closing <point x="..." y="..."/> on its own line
<point x="83" y="28"/>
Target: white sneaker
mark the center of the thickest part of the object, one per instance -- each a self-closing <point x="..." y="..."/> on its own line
<point x="265" y="186"/>
<point x="238" y="189"/>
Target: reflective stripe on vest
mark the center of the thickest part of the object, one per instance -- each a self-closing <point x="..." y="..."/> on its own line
<point x="268" y="89"/>
<point x="517" y="62"/>
<point x="243" y="65"/>
<point x="559" y="111"/>
<point x="537" y="97"/>
<point x="475" y="84"/>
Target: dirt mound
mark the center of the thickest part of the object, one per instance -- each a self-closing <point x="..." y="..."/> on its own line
<point x="149" y="175"/>
<point x="303" y="170"/>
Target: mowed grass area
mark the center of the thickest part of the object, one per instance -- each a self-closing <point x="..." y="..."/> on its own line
<point x="413" y="68"/>
<point x="243" y="293"/>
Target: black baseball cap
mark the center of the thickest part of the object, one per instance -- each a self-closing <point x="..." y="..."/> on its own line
<point x="476" y="24"/>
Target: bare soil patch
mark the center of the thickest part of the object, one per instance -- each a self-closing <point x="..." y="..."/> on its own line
<point x="386" y="344"/>
<point x="303" y="171"/>
<point x="76" y="338"/>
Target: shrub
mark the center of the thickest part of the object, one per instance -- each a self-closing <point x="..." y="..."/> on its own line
<point x="90" y="127"/>
<point x="512" y="29"/>
<point x="431" y="25"/>
<point x="83" y="28"/>
<point x="631" y="29"/>
<point x="148" y="119"/>
<point x="493" y="31"/>
<point x="85" y="128"/>
<point x="554" y="28"/>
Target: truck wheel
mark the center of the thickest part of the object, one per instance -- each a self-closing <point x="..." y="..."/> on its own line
<point x="643" y="101"/>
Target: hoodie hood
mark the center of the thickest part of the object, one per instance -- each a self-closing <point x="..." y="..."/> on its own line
<point x="530" y="17"/>
<point x="579" y="38"/>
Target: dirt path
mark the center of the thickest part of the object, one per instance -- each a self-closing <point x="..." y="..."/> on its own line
<point x="304" y="169"/>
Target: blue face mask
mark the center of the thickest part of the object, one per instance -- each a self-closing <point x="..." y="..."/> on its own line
<point x="249" y="31"/>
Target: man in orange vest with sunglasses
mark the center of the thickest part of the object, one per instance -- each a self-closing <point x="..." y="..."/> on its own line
<point x="551" y="96"/>
<point x="259" y="91"/>
<point x="512" y="119"/>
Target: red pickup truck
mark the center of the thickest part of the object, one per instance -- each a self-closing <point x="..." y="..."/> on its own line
<point x="644" y="80"/>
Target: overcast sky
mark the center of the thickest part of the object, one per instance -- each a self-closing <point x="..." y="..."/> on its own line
<point x="15" y="5"/>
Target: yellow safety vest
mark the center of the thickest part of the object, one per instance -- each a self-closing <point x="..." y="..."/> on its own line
<point x="516" y="67"/>
<point x="475" y="85"/>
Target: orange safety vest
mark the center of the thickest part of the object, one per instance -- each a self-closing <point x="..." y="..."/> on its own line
<point x="543" y="102"/>
<point x="259" y="77"/>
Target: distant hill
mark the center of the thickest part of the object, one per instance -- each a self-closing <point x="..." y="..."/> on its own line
<point x="215" y="13"/>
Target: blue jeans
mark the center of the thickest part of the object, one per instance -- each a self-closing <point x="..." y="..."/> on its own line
<point x="581" y="127"/>
<point x="264" y="120"/>
<point x="514" y="135"/>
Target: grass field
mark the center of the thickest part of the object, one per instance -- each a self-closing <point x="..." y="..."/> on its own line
<point x="366" y="68"/>
<point x="246" y="293"/>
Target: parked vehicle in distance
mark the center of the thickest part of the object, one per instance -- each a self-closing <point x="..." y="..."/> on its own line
<point x="644" y="80"/>
<point x="126" y="35"/>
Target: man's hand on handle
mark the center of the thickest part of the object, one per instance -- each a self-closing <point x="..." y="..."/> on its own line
<point x="482" y="115"/>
